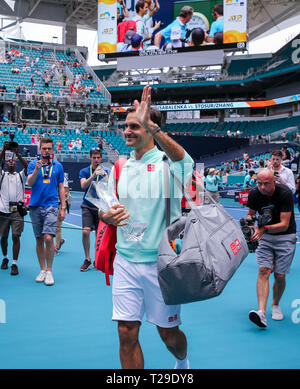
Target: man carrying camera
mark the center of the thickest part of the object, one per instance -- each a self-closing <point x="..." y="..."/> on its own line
<point x="90" y="217"/>
<point x="46" y="177"/>
<point x="277" y="241"/>
<point x="12" y="209"/>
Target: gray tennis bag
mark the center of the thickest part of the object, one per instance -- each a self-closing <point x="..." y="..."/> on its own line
<point x="213" y="247"/>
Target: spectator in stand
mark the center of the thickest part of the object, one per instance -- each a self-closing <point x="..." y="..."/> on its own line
<point x="78" y="144"/>
<point x="18" y="89"/>
<point x="70" y="145"/>
<point x="98" y="90"/>
<point x="32" y="81"/>
<point x="58" y="147"/>
<point x="15" y="70"/>
<point x="3" y="90"/>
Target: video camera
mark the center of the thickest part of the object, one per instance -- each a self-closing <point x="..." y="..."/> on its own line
<point x="248" y="230"/>
<point x="12" y="145"/>
<point x="47" y="156"/>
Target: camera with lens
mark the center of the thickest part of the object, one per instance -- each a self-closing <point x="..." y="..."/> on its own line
<point x="12" y="145"/>
<point x="247" y="226"/>
<point x="248" y="231"/>
<point x="18" y="206"/>
<point x="266" y="216"/>
<point x="22" y="209"/>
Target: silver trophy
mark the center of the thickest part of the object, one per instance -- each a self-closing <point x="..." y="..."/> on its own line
<point x="99" y="195"/>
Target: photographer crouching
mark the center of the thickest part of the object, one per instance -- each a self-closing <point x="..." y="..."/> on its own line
<point x="12" y="208"/>
<point x="277" y="241"/>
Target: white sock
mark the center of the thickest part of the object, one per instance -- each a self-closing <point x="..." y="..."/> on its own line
<point x="182" y="363"/>
<point x="14" y="262"/>
<point x="5" y="257"/>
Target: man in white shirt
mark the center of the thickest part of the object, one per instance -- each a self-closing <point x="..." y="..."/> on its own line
<point x="11" y="194"/>
<point x="283" y="175"/>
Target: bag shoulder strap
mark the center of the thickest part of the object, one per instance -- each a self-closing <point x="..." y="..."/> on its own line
<point x="167" y="189"/>
<point x="117" y="172"/>
<point x="2" y="178"/>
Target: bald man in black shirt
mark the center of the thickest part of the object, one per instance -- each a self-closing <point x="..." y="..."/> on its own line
<point x="277" y="241"/>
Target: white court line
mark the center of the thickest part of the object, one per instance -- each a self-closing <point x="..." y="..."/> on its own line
<point x="73" y="225"/>
<point x="74" y="214"/>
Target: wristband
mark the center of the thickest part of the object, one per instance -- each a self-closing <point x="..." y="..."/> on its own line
<point x="154" y="131"/>
<point x="266" y="228"/>
<point x="63" y="208"/>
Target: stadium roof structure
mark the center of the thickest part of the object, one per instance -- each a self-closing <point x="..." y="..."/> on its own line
<point x="264" y="15"/>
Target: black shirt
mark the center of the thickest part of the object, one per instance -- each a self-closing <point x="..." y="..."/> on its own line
<point x="283" y="201"/>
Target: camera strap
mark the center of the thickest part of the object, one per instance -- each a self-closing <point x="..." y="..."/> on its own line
<point x="50" y="172"/>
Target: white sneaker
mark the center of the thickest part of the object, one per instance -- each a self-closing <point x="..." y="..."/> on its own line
<point x="276" y="313"/>
<point x="258" y="318"/>
<point x="41" y="276"/>
<point x="49" y="278"/>
<point x="184" y="365"/>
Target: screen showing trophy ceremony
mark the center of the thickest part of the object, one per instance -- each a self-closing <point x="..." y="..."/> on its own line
<point x="153" y="27"/>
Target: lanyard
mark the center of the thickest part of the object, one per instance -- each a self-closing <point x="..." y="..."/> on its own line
<point x="50" y="173"/>
<point x="91" y="173"/>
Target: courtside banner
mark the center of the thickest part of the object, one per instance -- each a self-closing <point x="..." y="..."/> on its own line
<point x="27" y="195"/>
<point x="235" y="21"/>
<point x="220" y="105"/>
<point x="107" y="26"/>
<point x="243" y="196"/>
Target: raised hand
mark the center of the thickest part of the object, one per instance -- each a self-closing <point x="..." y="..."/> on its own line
<point x="143" y="109"/>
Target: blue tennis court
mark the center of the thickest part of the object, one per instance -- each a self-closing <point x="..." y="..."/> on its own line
<point x="68" y="325"/>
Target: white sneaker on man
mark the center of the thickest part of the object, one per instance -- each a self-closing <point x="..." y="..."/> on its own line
<point x="41" y="276"/>
<point x="276" y="313"/>
<point x="49" y="278"/>
<point x="259" y="318"/>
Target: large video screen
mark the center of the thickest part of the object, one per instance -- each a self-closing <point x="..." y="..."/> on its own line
<point x="155" y="27"/>
<point x="74" y="116"/>
<point x="31" y="114"/>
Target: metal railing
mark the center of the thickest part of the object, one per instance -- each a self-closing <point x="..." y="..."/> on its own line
<point x="96" y="80"/>
<point x="38" y="98"/>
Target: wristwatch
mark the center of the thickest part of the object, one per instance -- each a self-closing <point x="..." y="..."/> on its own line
<point x="155" y="130"/>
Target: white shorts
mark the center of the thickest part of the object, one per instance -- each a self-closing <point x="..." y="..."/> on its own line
<point x="136" y="291"/>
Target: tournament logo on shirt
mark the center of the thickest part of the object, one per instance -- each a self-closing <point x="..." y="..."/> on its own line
<point x="150" y="167"/>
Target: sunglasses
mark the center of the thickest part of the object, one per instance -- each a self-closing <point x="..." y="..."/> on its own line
<point x="96" y="148"/>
